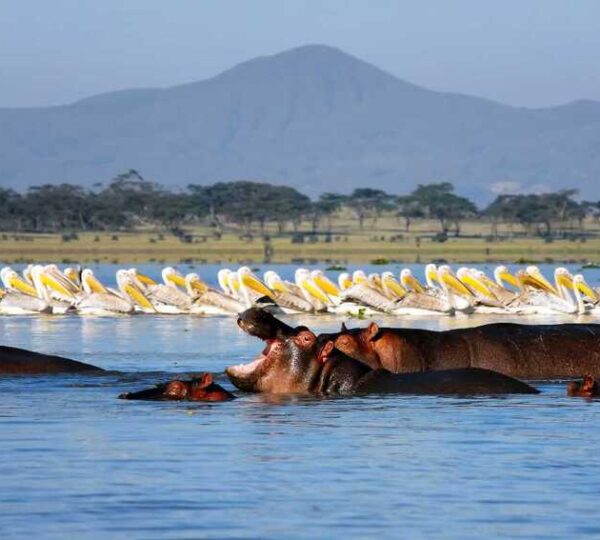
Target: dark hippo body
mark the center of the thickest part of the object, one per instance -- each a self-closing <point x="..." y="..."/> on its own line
<point x="524" y="351"/>
<point x="15" y="361"/>
<point x="304" y="364"/>
<point x="197" y="389"/>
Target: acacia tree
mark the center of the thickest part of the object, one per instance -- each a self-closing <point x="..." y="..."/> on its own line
<point x="437" y="201"/>
<point x="368" y="202"/>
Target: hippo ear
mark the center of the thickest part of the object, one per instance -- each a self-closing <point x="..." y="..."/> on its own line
<point x="207" y="380"/>
<point x="344" y="329"/>
<point x="326" y="351"/>
<point x="588" y="383"/>
<point x="372" y="330"/>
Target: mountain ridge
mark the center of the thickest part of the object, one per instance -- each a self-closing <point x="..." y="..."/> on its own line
<point x="313" y="117"/>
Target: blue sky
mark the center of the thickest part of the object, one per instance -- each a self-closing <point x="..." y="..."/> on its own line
<point x="525" y="52"/>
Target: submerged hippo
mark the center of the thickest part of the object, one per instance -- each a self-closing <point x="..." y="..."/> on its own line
<point x="197" y="389"/>
<point x="523" y="351"/>
<point x="589" y="387"/>
<point x="302" y="364"/>
<point x="15" y="361"/>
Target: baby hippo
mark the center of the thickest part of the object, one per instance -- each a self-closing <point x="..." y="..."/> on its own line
<point x="197" y="389"/>
<point x="589" y="387"/>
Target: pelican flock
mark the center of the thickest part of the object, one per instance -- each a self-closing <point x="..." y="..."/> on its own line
<point x="45" y="289"/>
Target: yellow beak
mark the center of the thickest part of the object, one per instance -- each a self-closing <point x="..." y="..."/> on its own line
<point x="177" y="280"/>
<point x="280" y="286"/>
<point x="326" y="285"/>
<point x="411" y="282"/>
<point x="136" y="295"/>
<point x="145" y="279"/>
<point x="478" y="285"/>
<point x="543" y="283"/>
<point x="587" y="291"/>
<point x="347" y="283"/>
<point x="314" y="291"/>
<point x="455" y="285"/>
<point x="22" y="286"/>
<point x="55" y="285"/>
<point x="256" y="285"/>
<point x="509" y="278"/>
<point x="395" y="287"/>
<point x="95" y="285"/>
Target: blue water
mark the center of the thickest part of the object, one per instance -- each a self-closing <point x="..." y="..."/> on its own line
<point x="78" y="463"/>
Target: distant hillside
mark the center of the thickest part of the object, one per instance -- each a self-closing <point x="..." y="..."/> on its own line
<point x="312" y="117"/>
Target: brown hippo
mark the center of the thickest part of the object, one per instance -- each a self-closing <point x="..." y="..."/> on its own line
<point x="15" y="361"/>
<point x="589" y="387"/>
<point x="197" y="389"/>
<point x="303" y="364"/>
<point x="523" y="351"/>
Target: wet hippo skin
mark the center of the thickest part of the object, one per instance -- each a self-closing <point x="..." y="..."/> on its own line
<point x="15" y="361"/>
<point x="197" y="389"/>
<point x="305" y="364"/>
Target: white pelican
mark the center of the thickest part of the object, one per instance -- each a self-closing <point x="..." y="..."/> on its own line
<point x="209" y="301"/>
<point x="19" y="298"/>
<point x="50" y="287"/>
<point x="311" y="292"/>
<point x="288" y="296"/>
<point x="251" y="289"/>
<point x="344" y="281"/>
<point x="98" y="300"/>
<point x="165" y="299"/>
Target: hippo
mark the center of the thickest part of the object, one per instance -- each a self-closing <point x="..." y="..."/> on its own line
<point x="522" y="351"/>
<point x="15" y="361"/>
<point x="301" y="363"/>
<point x="197" y="389"/>
<point x="589" y="387"/>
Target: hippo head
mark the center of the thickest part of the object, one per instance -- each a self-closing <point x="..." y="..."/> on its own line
<point x="286" y="366"/>
<point x="197" y="389"/>
<point x="589" y="387"/>
<point x="358" y="343"/>
<point x="263" y="325"/>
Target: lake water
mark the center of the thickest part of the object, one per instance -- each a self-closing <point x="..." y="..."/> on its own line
<point x="78" y="463"/>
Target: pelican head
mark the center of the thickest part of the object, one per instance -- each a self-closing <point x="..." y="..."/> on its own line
<point x="248" y="279"/>
<point x="172" y="277"/>
<point x="431" y="275"/>
<point x="324" y="283"/>
<point x="358" y="276"/>
<point x="410" y="282"/>
<point x="538" y="280"/>
<point x="502" y="275"/>
<point x="90" y="283"/>
<point x="344" y="281"/>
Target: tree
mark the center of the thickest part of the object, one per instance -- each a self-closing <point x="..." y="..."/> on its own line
<point x="437" y="201"/>
<point x="368" y="202"/>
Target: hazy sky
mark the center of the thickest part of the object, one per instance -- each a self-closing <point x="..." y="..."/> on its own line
<point x="522" y="52"/>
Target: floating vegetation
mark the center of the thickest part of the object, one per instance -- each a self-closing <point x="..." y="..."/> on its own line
<point x="380" y="261"/>
<point x="336" y="268"/>
<point x="589" y="265"/>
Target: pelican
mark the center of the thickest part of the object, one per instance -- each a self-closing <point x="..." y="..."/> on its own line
<point x="288" y="296"/>
<point x="98" y="300"/>
<point x="484" y="300"/>
<point x="421" y="301"/>
<point x="251" y="289"/>
<point x="172" y="278"/>
<point x="19" y="298"/>
<point x="52" y="289"/>
<point x="538" y="296"/>
<point x="325" y="284"/>
<point x="165" y="299"/>
<point x="311" y="292"/>
<point x="449" y="288"/>
<point x="209" y="301"/>
<point x="344" y="281"/>
<point x="410" y="282"/>
<point x="391" y="287"/>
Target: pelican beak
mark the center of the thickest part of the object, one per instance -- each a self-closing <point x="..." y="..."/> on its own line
<point x="23" y="286"/>
<point x="587" y="291"/>
<point x="138" y="297"/>
<point x="359" y="279"/>
<point x="54" y="284"/>
<point x="145" y="279"/>
<point x="314" y="291"/>
<point x="279" y="286"/>
<point x="326" y="285"/>
<point x="256" y="285"/>
<point x="347" y="283"/>
<point x="541" y="282"/>
<point x="455" y="285"/>
<point x="177" y="279"/>
<point x="199" y="285"/>
<point x="432" y="274"/>
<point x="95" y="285"/>
<point x="395" y="287"/>
<point x="509" y="278"/>
<point x="413" y="283"/>
<point x="477" y="285"/>
<point x="565" y="280"/>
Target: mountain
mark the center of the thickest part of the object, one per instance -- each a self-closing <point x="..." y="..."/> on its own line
<point x="313" y="117"/>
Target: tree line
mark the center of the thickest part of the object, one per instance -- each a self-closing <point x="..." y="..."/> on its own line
<point x="130" y="202"/>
